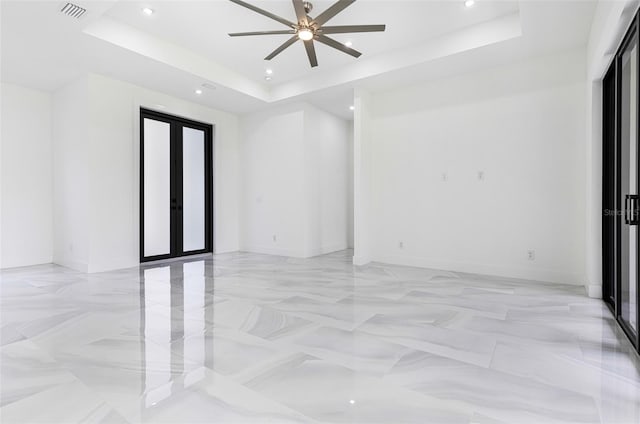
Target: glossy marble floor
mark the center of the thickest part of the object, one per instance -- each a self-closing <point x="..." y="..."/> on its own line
<point x="254" y="338"/>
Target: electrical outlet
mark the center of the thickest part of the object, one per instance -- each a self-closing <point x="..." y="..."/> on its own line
<point x="480" y="175"/>
<point x="531" y="255"/>
<point x="401" y="245"/>
<point x="275" y="238"/>
<point x="445" y="177"/>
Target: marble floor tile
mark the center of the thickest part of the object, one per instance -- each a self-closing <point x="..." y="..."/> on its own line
<point x="249" y="338"/>
<point x="463" y="345"/>
<point x="333" y="314"/>
<point x="331" y="393"/>
<point x="352" y="349"/>
<point x="27" y="369"/>
<point x="202" y="396"/>
<point x="228" y="352"/>
<point x="64" y="403"/>
<point x="260" y="321"/>
<point x="617" y="396"/>
<point x="505" y="396"/>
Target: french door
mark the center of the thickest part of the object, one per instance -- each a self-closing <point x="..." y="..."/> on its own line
<point x="621" y="185"/>
<point x="176" y="212"/>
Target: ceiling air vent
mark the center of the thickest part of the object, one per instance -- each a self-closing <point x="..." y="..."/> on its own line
<point x="73" y="10"/>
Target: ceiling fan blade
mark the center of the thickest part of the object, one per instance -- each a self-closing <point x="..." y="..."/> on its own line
<point x="301" y="13"/>
<point x="337" y="45"/>
<point x="280" y="49"/>
<point x="242" y="34"/>
<point x="264" y="12"/>
<point x="332" y="11"/>
<point x="311" y="52"/>
<point x="343" y="29"/>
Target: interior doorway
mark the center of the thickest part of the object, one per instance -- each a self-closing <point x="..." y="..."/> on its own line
<point x="176" y="176"/>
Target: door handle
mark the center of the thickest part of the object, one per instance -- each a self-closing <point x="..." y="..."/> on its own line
<point x="631" y="211"/>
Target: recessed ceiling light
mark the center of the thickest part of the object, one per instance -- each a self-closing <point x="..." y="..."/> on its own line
<point x="352" y="401"/>
<point x="267" y="78"/>
<point x="469" y="3"/>
<point x="269" y="71"/>
<point x="352" y="107"/>
<point x="147" y="11"/>
<point x="348" y="44"/>
<point x="198" y="92"/>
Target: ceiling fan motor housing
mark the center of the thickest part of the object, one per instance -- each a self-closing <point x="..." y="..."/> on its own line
<point x="308" y="6"/>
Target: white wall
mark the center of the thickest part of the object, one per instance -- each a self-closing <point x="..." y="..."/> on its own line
<point x="71" y="176"/>
<point x="362" y="179"/>
<point x="295" y="181"/>
<point x="97" y="171"/>
<point x="523" y="127"/>
<point x="26" y="225"/>
<point x="350" y="193"/>
<point x="273" y="187"/>
<point x="327" y="166"/>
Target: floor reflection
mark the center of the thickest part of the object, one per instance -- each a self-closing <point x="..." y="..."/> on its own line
<point x="187" y="325"/>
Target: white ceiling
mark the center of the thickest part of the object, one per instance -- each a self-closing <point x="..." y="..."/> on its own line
<point x="185" y="43"/>
<point x="408" y="23"/>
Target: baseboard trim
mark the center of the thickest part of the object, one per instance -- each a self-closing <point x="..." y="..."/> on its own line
<point x="594" y="290"/>
<point x="72" y="264"/>
<point x="294" y="253"/>
<point x="544" y="275"/>
<point x="323" y="250"/>
<point x="361" y="260"/>
<point x="114" y="264"/>
<point x="276" y="251"/>
<point x="13" y="266"/>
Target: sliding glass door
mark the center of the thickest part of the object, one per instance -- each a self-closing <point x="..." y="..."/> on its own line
<point x="175" y="191"/>
<point x="628" y="179"/>
<point x="621" y="183"/>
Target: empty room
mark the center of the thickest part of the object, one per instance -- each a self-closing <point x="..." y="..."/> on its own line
<point x="327" y="211"/>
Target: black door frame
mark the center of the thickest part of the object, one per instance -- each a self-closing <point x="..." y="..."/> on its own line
<point x="612" y="282"/>
<point x="609" y="192"/>
<point x="176" y="124"/>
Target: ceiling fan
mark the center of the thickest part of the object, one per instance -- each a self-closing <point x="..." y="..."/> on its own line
<point x="310" y="29"/>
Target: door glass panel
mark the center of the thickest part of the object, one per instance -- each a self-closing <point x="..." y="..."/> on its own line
<point x="628" y="181"/>
<point x="193" y="191"/>
<point x="157" y="188"/>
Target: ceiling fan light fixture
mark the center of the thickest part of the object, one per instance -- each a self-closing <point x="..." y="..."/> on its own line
<point x="305" y="34"/>
<point x="309" y="29"/>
